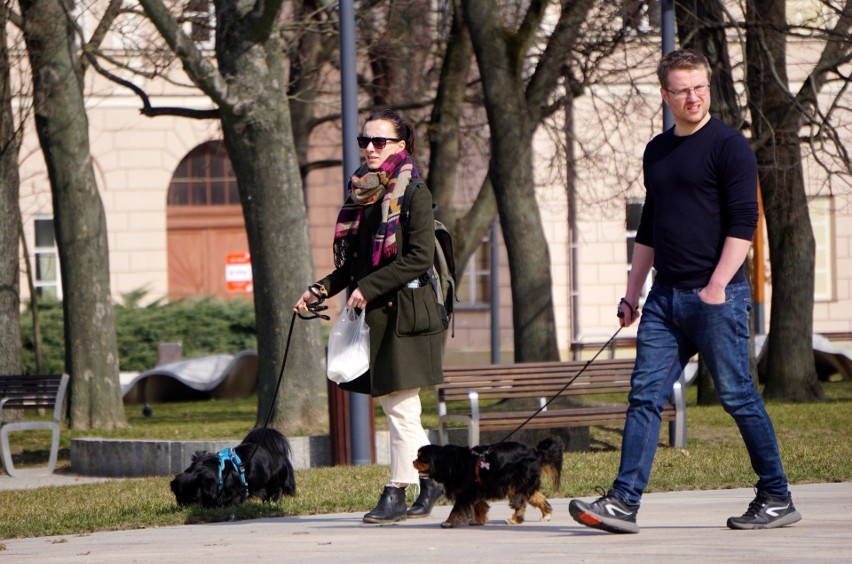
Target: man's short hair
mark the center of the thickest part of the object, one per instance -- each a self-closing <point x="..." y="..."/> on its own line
<point x="681" y="59"/>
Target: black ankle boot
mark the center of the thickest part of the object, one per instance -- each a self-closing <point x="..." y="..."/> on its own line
<point x="390" y="508"/>
<point x="430" y="492"/>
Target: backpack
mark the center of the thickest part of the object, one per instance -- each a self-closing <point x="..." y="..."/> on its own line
<point x="442" y="274"/>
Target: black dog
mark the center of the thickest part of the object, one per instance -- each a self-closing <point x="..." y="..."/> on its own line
<point x="471" y="476"/>
<point x="260" y="468"/>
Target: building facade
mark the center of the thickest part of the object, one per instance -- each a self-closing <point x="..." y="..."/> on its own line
<point x="176" y="228"/>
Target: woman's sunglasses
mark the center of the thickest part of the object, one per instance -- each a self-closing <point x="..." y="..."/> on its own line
<point x="378" y="142"/>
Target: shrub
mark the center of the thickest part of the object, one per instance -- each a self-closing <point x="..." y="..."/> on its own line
<point x="202" y="326"/>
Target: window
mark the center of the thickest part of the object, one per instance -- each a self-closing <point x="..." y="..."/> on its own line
<point x="641" y="16"/>
<point x="820" y="209"/>
<point x="204" y="178"/>
<point x="46" y="261"/>
<point x="633" y="213"/>
<point x="475" y="288"/>
<point x="198" y="23"/>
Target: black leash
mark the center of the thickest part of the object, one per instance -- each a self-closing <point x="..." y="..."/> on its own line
<point x="565" y="387"/>
<point x="314" y="308"/>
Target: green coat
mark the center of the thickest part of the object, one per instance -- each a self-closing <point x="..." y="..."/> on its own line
<point x="406" y="339"/>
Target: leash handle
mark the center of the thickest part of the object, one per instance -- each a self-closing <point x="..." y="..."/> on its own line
<point x="315" y="307"/>
<point x="624" y="301"/>
<point x="565" y="387"/>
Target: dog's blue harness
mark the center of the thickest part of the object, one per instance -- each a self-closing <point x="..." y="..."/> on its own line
<point x="227" y="455"/>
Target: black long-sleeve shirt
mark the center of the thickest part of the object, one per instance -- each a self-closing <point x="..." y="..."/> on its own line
<point x="700" y="189"/>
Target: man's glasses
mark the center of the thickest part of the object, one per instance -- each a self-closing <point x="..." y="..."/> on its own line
<point x="700" y="91"/>
<point x="378" y="142"/>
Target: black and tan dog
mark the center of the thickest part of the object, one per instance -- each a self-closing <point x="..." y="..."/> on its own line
<point x="472" y="476"/>
<point x="260" y="466"/>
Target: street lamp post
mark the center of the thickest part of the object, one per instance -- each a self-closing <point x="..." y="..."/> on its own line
<point x="359" y="404"/>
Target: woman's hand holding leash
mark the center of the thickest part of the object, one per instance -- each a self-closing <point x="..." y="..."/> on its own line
<point x="309" y="304"/>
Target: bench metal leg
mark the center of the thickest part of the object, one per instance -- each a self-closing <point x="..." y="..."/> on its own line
<point x="9" y="428"/>
<point x="442" y="432"/>
<point x="677" y="428"/>
<point x="473" y="434"/>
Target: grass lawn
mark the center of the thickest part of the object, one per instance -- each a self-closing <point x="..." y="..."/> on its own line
<point x="814" y="439"/>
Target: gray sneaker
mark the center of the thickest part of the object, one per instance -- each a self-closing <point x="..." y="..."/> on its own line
<point x="767" y="512"/>
<point x="608" y="513"/>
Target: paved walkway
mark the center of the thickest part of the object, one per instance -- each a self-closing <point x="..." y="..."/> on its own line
<point x="30" y="480"/>
<point x="676" y="526"/>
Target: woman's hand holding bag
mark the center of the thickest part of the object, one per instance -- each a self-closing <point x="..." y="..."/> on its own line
<point x="348" y="347"/>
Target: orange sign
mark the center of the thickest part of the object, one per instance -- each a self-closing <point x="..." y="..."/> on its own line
<point x="238" y="273"/>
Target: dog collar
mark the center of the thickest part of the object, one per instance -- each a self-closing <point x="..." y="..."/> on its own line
<point x="481" y="464"/>
<point x="227" y="455"/>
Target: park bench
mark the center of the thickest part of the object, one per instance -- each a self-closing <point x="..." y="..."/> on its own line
<point x="541" y="381"/>
<point x="26" y="392"/>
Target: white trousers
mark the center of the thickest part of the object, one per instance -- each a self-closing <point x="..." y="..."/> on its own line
<point x="406" y="433"/>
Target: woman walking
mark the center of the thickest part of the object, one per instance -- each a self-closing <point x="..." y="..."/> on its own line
<point x="382" y="266"/>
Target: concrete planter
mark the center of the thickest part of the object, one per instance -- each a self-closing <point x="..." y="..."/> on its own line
<point x="131" y="459"/>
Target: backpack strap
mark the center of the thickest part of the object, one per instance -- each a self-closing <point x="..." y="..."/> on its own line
<point x="405" y="206"/>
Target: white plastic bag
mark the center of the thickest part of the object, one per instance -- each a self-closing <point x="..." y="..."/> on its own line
<point x="348" y="347"/>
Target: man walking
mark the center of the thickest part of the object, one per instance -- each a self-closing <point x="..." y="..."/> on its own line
<point x="699" y="217"/>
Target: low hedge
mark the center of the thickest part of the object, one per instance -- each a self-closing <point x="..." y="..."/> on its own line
<point x="202" y="326"/>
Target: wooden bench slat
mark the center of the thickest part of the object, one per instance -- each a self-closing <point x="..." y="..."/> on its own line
<point x="543" y="381"/>
<point x="578" y="413"/>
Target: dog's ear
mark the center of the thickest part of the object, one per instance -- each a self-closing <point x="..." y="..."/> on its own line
<point x="208" y="488"/>
<point x="185" y="488"/>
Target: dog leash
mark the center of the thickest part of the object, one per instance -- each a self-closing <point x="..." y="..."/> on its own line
<point x="565" y="387"/>
<point x="314" y="308"/>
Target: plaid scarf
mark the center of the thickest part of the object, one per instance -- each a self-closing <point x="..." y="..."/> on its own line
<point x="365" y="187"/>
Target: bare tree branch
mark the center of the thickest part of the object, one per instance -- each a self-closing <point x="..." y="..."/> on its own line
<point x="528" y="29"/>
<point x="147" y="109"/>
<point x="261" y="19"/>
<point x="196" y="65"/>
<point x="550" y="66"/>
<point x="11" y="15"/>
<point x="110" y="14"/>
<point x="835" y="54"/>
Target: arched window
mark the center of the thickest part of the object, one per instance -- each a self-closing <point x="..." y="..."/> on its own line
<point x="204" y="178"/>
<point x="205" y="229"/>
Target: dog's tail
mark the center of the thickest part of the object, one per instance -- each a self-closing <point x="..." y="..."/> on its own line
<point x="271" y="439"/>
<point x="549" y="452"/>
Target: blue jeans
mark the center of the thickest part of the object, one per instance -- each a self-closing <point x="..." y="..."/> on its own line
<point x="675" y="324"/>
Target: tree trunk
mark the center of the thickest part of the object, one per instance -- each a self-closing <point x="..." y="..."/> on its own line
<point x="91" y="353"/>
<point x="308" y="55"/>
<point x="399" y="55"/>
<point x="10" y="226"/>
<point x="701" y="26"/>
<point x="469" y="229"/>
<point x="258" y="135"/>
<point x="515" y="105"/>
<point x="249" y="89"/>
<point x="444" y="135"/>
<point x="511" y="173"/>
<point x="791" y="373"/>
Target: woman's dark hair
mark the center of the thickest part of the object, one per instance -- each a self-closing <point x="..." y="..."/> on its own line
<point x="404" y="130"/>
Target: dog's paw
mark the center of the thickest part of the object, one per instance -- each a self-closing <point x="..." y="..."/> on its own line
<point x="447" y="525"/>
<point x="545" y="518"/>
<point x="477" y="523"/>
<point x="514" y="520"/>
